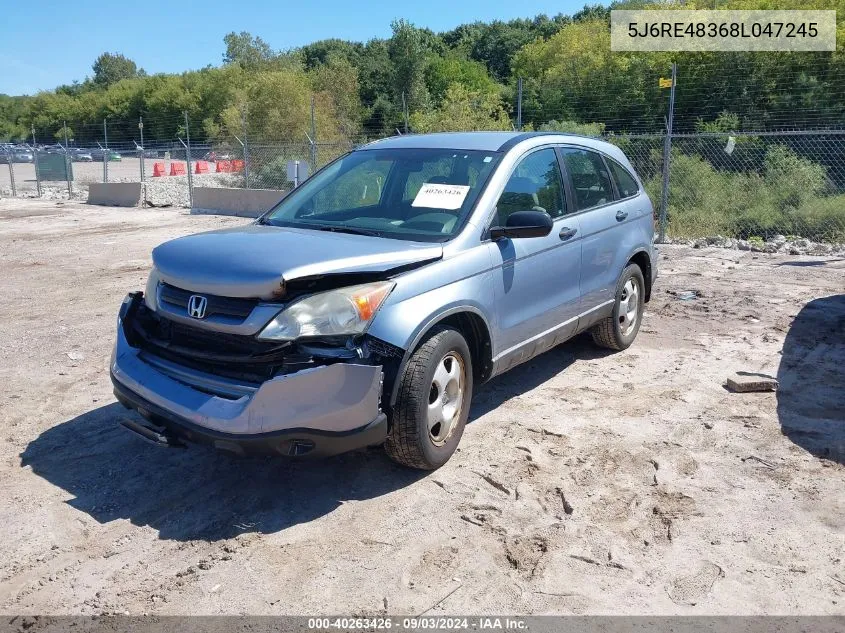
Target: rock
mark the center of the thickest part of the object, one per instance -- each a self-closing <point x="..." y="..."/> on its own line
<point x="745" y="382"/>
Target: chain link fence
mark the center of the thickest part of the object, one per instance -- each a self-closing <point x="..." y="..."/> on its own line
<point x="750" y="187"/>
<point x="743" y="186"/>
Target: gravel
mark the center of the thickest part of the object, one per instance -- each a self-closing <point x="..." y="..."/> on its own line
<point x="634" y="483"/>
<point x="792" y="245"/>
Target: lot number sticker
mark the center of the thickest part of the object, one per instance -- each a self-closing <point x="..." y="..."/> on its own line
<point x="435" y="196"/>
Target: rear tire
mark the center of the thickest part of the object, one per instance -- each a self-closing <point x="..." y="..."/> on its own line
<point x="432" y="407"/>
<point x="619" y="330"/>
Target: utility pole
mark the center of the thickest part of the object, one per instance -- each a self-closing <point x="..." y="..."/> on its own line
<point x="667" y="155"/>
<point x="188" y="160"/>
<point x="246" y="145"/>
<point x="313" y="136"/>
<point x="67" y="163"/>
<point x="35" y="160"/>
<point x="141" y="150"/>
<point x="105" y="152"/>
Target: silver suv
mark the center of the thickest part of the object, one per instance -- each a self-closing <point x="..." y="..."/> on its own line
<point x="367" y="305"/>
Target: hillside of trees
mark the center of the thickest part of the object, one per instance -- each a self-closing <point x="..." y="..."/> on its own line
<point x="465" y="78"/>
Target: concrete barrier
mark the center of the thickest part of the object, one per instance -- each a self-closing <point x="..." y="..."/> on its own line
<point x="245" y="203"/>
<point x="115" y="194"/>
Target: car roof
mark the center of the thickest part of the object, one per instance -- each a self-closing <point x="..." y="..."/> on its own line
<point x="482" y="141"/>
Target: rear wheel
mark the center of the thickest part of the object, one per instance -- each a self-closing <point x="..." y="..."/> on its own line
<point x="619" y="330"/>
<point x="433" y="402"/>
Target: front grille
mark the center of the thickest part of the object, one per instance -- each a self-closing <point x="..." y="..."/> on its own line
<point x="228" y="306"/>
<point x="218" y="353"/>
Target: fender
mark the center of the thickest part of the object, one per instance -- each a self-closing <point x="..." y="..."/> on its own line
<point x="423" y="329"/>
<point x="650" y="273"/>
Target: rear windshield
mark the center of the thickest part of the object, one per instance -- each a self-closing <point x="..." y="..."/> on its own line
<point x="411" y="194"/>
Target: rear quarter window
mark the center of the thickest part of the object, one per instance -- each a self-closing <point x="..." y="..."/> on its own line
<point x="625" y="182"/>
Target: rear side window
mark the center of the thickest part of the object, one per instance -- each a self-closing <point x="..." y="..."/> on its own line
<point x="589" y="176"/>
<point x="625" y="182"/>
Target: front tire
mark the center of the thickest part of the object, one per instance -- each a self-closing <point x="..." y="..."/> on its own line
<point x="619" y="330"/>
<point x="432" y="407"/>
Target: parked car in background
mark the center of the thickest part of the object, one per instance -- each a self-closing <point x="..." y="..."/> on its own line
<point x="97" y="154"/>
<point x="366" y="306"/>
<point x="215" y="156"/>
<point x="82" y="155"/>
<point x="17" y="156"/>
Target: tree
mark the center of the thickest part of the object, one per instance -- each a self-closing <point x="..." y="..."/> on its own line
<point x="408" y="53"/>
<point x="63" y="133"/>
<point x="441" y="72"/>
<point x="463" y="110"/>
<point x="498" y="42"/>
<point x="109" y="68"/>
<point x="250" y="52"/>
<point x="592" y="12"/>
<point x="319" y="52"/>
<point x="337" y="82"/>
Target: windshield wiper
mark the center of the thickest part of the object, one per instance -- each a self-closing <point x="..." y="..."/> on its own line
<point x="343" y="229"/>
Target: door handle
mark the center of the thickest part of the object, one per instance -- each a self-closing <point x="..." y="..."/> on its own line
<point x="621" y="215"/>
<point x="566" y="233"/>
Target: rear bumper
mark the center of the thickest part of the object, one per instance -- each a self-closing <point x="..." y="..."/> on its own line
<point x="317" y="411"/>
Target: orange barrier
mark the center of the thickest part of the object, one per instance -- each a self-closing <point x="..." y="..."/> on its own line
<point x="237" y="165"/>
<point x="158" y="169"/>
<point x="177" y="169"/>
<point x="202" y="167"/>
<point x="224" y="166"/>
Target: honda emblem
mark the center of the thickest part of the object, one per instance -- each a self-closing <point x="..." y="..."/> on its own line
<point x="196" y="306"/>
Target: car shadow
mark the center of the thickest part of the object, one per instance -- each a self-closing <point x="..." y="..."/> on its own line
<point x="200" y="493"/>
<point x="811" y="377"/>
<point x="533" y="373"/>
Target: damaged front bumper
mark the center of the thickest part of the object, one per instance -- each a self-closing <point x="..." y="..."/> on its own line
<point x="320" y="410"/>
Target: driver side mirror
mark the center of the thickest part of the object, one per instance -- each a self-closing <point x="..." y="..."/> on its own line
<point x="524" y="224"/>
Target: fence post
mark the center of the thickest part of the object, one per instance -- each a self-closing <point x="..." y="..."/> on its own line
<point x="667" y="155"/>
<point x="141" y="149"/>
<point x="405" y="111"/>
<point x="519" y="105"/>
<point x="35" y="162"/>
<point x="68" y="172"/>
<point x="188" y="158"/>
<point x="245" y="144"/>
<point x="11" y="173"/>
<point x="105" y="152"/>
<point x="313" y="138"/>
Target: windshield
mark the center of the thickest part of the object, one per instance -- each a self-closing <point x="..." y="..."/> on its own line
<point x="411" y="194"/>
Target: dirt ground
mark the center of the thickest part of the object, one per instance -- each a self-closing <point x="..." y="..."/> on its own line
<point x="586" y="482"/>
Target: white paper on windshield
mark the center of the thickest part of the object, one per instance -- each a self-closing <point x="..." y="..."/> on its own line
<point x="436" y="196"/>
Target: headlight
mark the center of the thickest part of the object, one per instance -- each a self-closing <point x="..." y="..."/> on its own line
<point x="152" y="289"/>
<point x="342" y="312"/>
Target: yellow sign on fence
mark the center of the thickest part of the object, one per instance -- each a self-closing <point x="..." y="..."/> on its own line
<point x="665" y="83"/>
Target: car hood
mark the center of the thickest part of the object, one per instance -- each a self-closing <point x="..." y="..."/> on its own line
<point x="257" y="260"/>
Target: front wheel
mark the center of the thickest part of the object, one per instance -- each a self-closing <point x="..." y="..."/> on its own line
<point x="431" y="409"/>
<point x="619" y="330"/>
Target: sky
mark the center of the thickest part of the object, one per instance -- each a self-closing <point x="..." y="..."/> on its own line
<point x="179" y="35"/>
